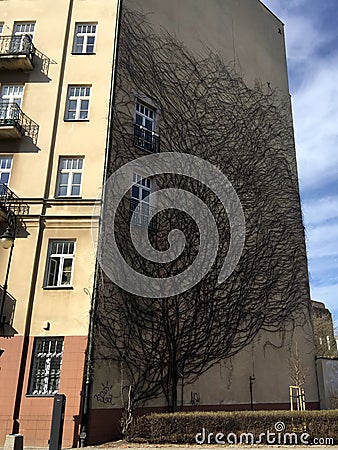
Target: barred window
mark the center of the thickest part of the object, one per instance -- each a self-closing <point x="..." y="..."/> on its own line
<point x="46" y="366"/>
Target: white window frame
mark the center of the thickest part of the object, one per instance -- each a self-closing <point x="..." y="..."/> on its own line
<point x="41" y="374"/>
<point x="7" y="169"/>
<point x="74" y="165"/>
<point x="15" y="95"/>
<point x="328" y="342"/>
<point x="146" y="113"/>
<point x="144" y="185"/>
<point x="78" y="94"/>
<point x="82" y="31"/>
<point x="29" y="29"/>
<point x="54" y="256"/>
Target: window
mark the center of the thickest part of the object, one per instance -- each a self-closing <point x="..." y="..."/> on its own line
<point x="46" y="366"/>
<point x="24" y="29"/>
<point x="139" y="196"/>
<point x="5" y="172"/>
<point x="12" y="93"/>
<point x="144" y="128"/>
<point x="84" y="38"/>
<point x="70" y="177"/>
<point x="78" y="103"/>
<point x="23" y="36"/>
<point x="328" y="342"/>
<point x="10" y="100"/>
<point x="60" y="263"/>
<point x="1" y="27"/>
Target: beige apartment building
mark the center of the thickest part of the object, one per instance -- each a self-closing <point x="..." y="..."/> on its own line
<point x="55" y="81"/>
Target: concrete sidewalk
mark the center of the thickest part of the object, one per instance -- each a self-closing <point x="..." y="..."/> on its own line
<point x="122" y="445"/>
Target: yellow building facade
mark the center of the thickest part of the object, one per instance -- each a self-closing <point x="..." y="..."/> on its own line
<point x="55" y="82"/>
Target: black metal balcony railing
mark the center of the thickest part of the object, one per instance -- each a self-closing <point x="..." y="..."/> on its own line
<point x="141" y="217"/>
<point x="17" y="45"/>
<point x="146" y="139"/>
<point x="12" y="115"/>
<point x="9" y="201"/>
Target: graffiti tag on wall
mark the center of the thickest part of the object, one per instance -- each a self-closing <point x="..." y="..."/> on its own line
<point x="105" y="395"/>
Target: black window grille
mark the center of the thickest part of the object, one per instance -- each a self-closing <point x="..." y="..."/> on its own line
<point x="46" y="366"/>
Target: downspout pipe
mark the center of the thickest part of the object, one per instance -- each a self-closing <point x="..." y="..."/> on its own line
<point x="94" y="300"/>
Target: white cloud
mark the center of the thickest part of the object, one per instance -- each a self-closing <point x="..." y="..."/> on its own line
<point x="323" y="241"/>
<point x="316" y="117"/>
<point x="320" y="210"/>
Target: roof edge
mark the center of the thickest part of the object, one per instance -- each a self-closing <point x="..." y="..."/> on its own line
<point x="273" y="14"/>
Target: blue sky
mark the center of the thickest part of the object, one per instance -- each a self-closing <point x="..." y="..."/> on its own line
<point x="312" y="50"/>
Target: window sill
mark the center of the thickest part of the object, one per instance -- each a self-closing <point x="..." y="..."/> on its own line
<point x="68" y="197"/>
<point x="76" y="120"/>
<point x="40" y="395"/>
<point x="86" y="54"/>
<point x="57" y="288"/>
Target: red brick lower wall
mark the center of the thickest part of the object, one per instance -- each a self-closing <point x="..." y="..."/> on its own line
<point x="36" y="412"/>
<point x="104" y="424"/>
<point x="9" y="369"/>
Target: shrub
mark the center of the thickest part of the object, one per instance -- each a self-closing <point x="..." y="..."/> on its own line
<point x="182" y="428"/>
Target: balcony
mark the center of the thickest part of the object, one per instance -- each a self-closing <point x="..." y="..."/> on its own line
<point x="141" y="217"/>
<point x="16" y="53"/>
<point x="9" y="201"/>
<point x="12" y="208"/>
<point x="14" y="123"/>
<point x="145" y="139"/>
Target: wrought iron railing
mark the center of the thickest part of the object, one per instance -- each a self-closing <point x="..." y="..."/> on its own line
<point x="146" y="139"/>
<point x="12" y="115"/>
<point x="9" y="201"/>
<point x="141" y="217"/>
<point x="17" y="45"/>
